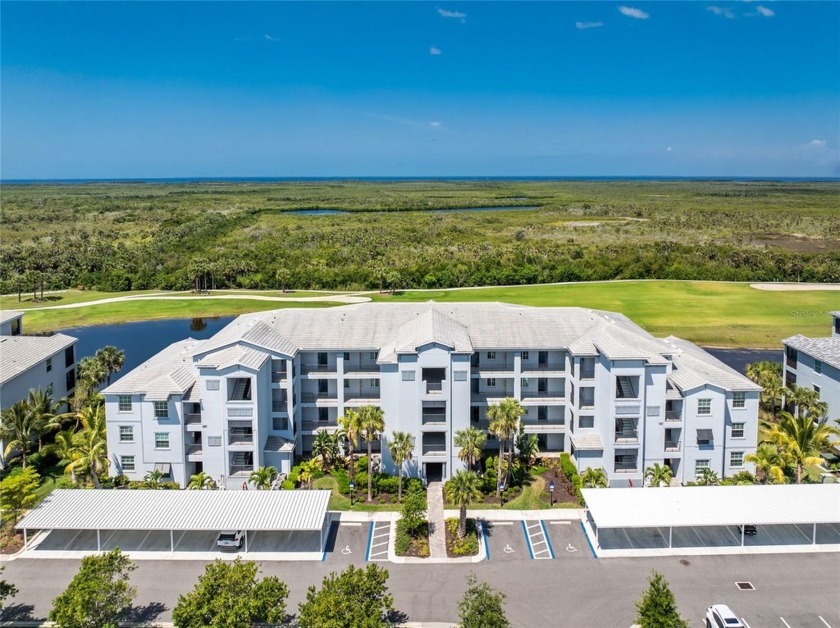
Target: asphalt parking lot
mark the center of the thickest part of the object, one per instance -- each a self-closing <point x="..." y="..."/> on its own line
<point x="506" y="541"/>
<point x="346" y="544"/>
<point x="568" y="541"/>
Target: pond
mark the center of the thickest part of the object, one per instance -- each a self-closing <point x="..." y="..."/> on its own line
<point x="142" y="340"/>
<point x="331" y="212"/>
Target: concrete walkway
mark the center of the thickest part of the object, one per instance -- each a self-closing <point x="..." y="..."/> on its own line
<point x="437" y="536"/>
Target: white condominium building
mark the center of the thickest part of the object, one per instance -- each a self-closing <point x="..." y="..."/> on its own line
<point x="815" y="363"/>
<point x="593" y="384"/>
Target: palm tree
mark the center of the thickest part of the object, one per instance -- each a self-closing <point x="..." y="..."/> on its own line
<point x="806" y="400"/>
<point x="18" y="429"/>
<point x="528" y="448"/>
<point x="774" y="391"/>
<point x="45" y="412"/>
<point x="64" y="447"/>
<point x="707" y="477"/>
<point x="504" y="418"/>
<point x="372" y="423"/>
<point x="153" y="479"/>
<point x="307" y="471"/>
<point x="471" y="441"/>
<point x="326" y="448"/>
<point x="769" y="463"/>
<point x="658" y="474"/>
<point x="262" y="478"/>
<point x="91" y="372"/>
<point x="112" y="360"/>
<point x="201" y="481"/>
<point x="350" y="429"/>
<point x="401" y="447"/>
<point x="92" y="417"/>
<point x="90" y="454"/>
<point x="800" y="440"/>
<point x="594" y="478"/>
<point x="462" y="489"/>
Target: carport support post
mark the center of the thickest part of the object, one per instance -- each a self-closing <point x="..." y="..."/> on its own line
<point x="171" y="542"/>
<point x="813" y="538"/>
<point x="246" y="541"/>
<point x="25" y="540"/>
<point x="670" y="537"/>
<point x="742" y="535"/>
<point x="98" y="544"/>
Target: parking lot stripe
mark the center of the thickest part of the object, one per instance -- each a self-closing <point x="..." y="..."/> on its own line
<point x="350" y="523"/>
<point x="370" y="540"/>
<point x="486" y="543"/>
<point x="503" y="523"/>
<point x="784" y="622"/>
<point x="824" y="621"/>
<point x="527" y="540"/>
<point x="744" y="621"/>
<point x="547" y="540"/>
<point x="588" y="542"/>
<point x="560" y="523"/>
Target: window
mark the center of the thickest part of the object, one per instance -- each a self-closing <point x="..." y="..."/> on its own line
<point x="408" y="376"/>
<point x="346" y="384"/>
<point x="374" y="383"/>
<point x="212" y="384"/>
<point x="161" y="410"/>
<point x="474" y="414"/>
<point x="214" y="441"/>
<point x="126" y="434"/>
<point x="161" y="440"/>
<point x="70" y="380"/>
<point x="699" y="465"/>
<point x="373" y="355"/>
<point x="704" y="406"/>
<point x="524" y="382"/>
<point x="817" y="366"/>
<point x="69" y="357"/>
<point x="525" y="355"/>
<point x="346" y="356"/>
<point x="491" y="355"/>
<point x="817" y="390"/>
<point x="127" y="463"/>
<point x="736" y="458"/>
<point x="460" y="376"/>
<point x="125" y="403"/>
<point x="16" y="327"/>
<point x="587" y="421"/>
<point x="739" y="399"/>
<point x="49" y="364"/>
<point x="491" y="382"/>
<point x="323" y="414"/>
<point x="738" y="430"/>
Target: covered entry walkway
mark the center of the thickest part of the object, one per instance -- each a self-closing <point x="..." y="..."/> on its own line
<point x="151" y="523"/>
<point x="713" y="519"/>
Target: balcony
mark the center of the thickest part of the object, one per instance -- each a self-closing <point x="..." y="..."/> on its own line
<point x="627" y="436"/>
<point x="194" y="452"/>
<point x="434" y="388"/>
<point x="672" y="445"/>
<point x="544" y="427"/>
<point x="317" y="397"/>
<point x="192" y="421"/>
<point x="363" y="398"/>
<point x="279" y="407"/>
<point x="587" y="375"/>
<point x="278" y="376"/>
<point x="673" y="416"/>
<point x="434" y="450"/>
<point x="490" y="369"/>
<point x="543" y="395"/>
<point x="241" y="470"/>
<point x="432" y="418"/>
<point x="319" y="426"/>
<point x="362" y="371"/>
<point x="318" y="369"/>
<point x="626" y="468"/>
<point x="241" y="437"/>
<point x="543" y="367"/>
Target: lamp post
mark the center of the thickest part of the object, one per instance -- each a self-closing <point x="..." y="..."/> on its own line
<point x="502" y="491"/>
<point x="551" y="490"/>
<point x="352" y="490"/>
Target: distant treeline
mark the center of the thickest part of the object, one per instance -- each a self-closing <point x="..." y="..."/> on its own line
<point x="233" y="237"/>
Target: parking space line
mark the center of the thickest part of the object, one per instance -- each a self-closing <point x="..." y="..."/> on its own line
<point x="527" y="539"/>
<point x="784" y="622"/>
<point x="588" y="542"/>
<point x="486" y="542"/>
<point x="70" y="542"/>
<point x="537" y="539"/>
<point x="824" y="621"/>
<point x="378" y="532"/>
<point x="547" y="540"/>
<point x="350" y="523"/>
<point x="370" y="540"/>
<point x="744" y="621"/>
<point x="560" y="523"/>
<point x="503" y="523"/>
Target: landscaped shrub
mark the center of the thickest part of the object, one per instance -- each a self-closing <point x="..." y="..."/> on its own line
<point x="468" y="546"/>
<point x="402" y="540"/>
<point x="571" y="474"/>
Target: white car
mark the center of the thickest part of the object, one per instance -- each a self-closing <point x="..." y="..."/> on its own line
<point x="230" y="539"/>
<point x="721" y="616"/>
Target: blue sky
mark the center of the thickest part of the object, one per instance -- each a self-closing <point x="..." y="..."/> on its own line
<point x="131" y="89"/>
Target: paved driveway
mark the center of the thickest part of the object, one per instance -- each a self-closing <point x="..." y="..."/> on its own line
<point x="506" y="541"/>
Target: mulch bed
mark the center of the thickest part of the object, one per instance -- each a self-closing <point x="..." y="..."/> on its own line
<point x="564" y="490"/>
<point x="452" y="538"/>
<point x="11" y="542"/>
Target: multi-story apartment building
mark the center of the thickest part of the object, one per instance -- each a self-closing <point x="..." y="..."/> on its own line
<point x="815" y="363"/>
<point x="33" y="362"/>
<point x="593" y="384"/>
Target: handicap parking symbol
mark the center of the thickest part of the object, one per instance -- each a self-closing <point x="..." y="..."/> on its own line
<point x="508" y="549"/>
<point x="571" y="548"/>
<point x="346" y="550"/>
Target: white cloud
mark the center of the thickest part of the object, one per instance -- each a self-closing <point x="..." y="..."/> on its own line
<point x="455" y="14"/>
<point x="669" y="149"/>
<point x="765" y="11"/>
<point x="434" y="124"/>
<point x="435" y="51"/>
<point x="584" y="25"/>
<point x="270" y="38"/>
<point x="817" y="143"/>
<point x="722" y="11"/>
<point x="632" y="12"/>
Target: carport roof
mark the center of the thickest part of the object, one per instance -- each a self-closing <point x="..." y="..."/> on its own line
<point x="714" y="505"/>
<point x="105" y="509"/>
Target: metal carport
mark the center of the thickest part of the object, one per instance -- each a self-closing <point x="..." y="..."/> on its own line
<point x="708" y="507"/>
<point x="301" y="512"/>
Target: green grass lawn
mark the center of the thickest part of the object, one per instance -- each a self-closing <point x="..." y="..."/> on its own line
<point x="342" y="502"/>
<point x="715" y="314"/>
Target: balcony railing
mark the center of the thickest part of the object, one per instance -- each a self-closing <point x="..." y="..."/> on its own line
<point x="673" y="416"/>
<point x="360" y="370"/>
<point x="241" y="469"/>
<point x="279" y="406"/>
<point x="434" y="387"/>
<point x="312" y="397"/>
<point x="545" y="366"/>
<point x="278" y="376"/>
<point x="627" y="436"/>
<point x="194" y="449"/>
<point x="368" y="394"/>
<point x="241" y="439"/>
<point x="192" y="418"/>
<point x="434" y="450"/>
<point x="311" y="426"/>
<point x="626" y="468"/>
<point x="546" y="425"/>
<point x="434" y="419"/>
<point x="587" y="375"/>
<point x="317" y="368"/>
<point x="672" y="445"/>
<point x="537" y="394"/>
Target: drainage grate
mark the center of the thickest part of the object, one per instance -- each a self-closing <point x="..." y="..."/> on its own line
<point x="745" y="586"/>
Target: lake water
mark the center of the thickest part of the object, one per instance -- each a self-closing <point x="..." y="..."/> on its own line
<point x="329" y="212"/>
<point x="142" y="340"/>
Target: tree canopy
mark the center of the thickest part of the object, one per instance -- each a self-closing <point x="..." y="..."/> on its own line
<point x="481" y="606"/>
<point x="658" y="607"/>
<point x="355" y="597"/>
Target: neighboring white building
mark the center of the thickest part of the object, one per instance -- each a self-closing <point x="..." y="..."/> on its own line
<point x="815" y="363"/>
<point x="33" y="362"/>
<point x="594" y="384"/>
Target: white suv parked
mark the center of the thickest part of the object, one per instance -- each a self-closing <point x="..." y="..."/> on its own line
<point x="721" y="616"/>
<point x="230" y="539"/>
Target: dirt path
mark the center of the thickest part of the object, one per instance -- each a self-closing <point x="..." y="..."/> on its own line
<point x="784" y="287"/>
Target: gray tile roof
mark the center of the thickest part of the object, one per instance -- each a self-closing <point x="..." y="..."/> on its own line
<point x="587" y="440"/>
<point x="18" y="354"/>
<point x="693" y="367"/>
<point x="7" y="315"/>
<point x="823" y="349"/>
<point x="432" y="326"/>
<point x="233" y="356"/>
<point x="169" y="372"/>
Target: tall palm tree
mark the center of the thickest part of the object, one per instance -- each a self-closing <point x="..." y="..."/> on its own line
<point x="658" y="474"/>
<point x="504" y="419"/>
<point x="803" y="398"/>
<point x="19" y="427"/>
<point x="774" y="390"/>
<point x="325" y="447"/>
<point x="45" y="412"/>
<point x="262" y="477"/>
<point x="594" y="478"/>
<point x="350" y="429"/>
<point x="800" y="440"/>
<point x="462" y="489"/>
<point x="112" y="360"/>
<point x="471" y="441"/>
<point x="201" y="481"/>
<point x="372" y="424"/>
<point x="92" y="417"/>
<point x="527" y="448"/>
<point x="90" y="454"/>
<point x="91" y="372"/>
<point x="401" y="446"/>
<point x="64" y="447"/>
<point x="769" y="463"/>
